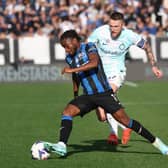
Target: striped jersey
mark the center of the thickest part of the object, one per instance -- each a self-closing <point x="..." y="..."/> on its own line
<point x="94" y="80"/>
<point x="113" y="51"/>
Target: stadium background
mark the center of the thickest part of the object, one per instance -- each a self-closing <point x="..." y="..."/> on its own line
<point x="30" y="29"/>
<point x="43" y="60"/>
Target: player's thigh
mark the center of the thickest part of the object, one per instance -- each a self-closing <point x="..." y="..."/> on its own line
<point x="114" y="87"/>
<point x="121" y="116"/>
<point x="101" y="115"/>
<point x="109" y="102"/>
<point x="71" y="110"/>
<point x="84" y="104"/>
<point x="117" y="81"/>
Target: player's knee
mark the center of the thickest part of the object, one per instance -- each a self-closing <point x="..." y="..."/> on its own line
<point x="71" y="110"/>
<point x="122" y="117"/>
<point x="66" y="113"/>
<point x="124" y="121"/>
<point x="101" y="115"/>
<point x="102" y="118"/>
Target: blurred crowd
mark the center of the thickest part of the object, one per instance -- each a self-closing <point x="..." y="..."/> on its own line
<point x="20" y="18"/>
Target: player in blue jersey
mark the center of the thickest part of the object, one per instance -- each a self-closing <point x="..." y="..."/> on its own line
<point x="86" y="68"/>
<point x="113" y="41"/>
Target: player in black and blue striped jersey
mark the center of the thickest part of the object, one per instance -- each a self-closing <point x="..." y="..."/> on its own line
<point x="86" y="68"/>
<point x="93" y="81"/>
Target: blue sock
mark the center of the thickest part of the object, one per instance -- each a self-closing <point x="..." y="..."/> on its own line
<point x="138" y="128"/>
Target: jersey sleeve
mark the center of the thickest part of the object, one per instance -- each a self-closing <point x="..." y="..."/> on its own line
<point x="91" y="48"/>
<point x="68" y="60"/>
<point x="137" y="39"/>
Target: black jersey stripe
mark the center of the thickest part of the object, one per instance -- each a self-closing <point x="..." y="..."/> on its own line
<point x="91" y="83"/>
<point x="102" y="76"/>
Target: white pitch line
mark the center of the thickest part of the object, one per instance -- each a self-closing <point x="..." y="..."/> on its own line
<point x="145" y="103"/>
<point x="132" y="84"/>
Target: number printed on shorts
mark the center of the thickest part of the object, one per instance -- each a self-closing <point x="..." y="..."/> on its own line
<point x="115" y="98"/>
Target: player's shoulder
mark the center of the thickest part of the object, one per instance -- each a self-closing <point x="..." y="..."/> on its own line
<point x="130" y="34"/>
<point x="126" y="30"/>
<point x="129" y="31"/>
<point x="102" y="28"/>
<point x="90" y="45"/>
<point x="68" y="59"/>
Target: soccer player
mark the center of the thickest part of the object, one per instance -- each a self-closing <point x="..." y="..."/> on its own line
<point x="86" y="68"/>
<point x="113" y="41"/>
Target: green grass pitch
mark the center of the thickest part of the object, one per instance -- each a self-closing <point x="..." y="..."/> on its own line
<point x="30" y="112"/>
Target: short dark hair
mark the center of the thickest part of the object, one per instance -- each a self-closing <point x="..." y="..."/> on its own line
<point x="117" y="16"/>
<point x="70" y="34"/>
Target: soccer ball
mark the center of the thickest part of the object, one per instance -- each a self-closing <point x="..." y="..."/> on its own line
<point x="38" y="151"/>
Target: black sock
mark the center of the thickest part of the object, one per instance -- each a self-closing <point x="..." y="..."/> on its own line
<point x="138" y="128"/>
<point x="65" y="130"/>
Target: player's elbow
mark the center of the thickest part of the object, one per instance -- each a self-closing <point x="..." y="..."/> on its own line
<point x="95" y="63"/>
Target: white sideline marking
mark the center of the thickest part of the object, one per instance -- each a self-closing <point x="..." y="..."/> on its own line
<point x="132" y="84"/>
<point x="145" y="103"/>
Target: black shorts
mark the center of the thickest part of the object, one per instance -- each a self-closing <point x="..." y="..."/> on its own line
<point x="108" y="101"/>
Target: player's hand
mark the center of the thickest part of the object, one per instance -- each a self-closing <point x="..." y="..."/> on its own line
<point x="66" y="70"/>
<point x="158" y="73"/>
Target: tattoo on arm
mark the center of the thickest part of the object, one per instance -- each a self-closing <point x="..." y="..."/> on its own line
<point x="150" y="55"/>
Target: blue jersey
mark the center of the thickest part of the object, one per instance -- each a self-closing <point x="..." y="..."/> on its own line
<point x="113" y="51"/>
<point x="94" y="80"/>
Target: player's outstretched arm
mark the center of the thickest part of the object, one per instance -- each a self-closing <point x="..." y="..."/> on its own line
<point x="155" y="69"/>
